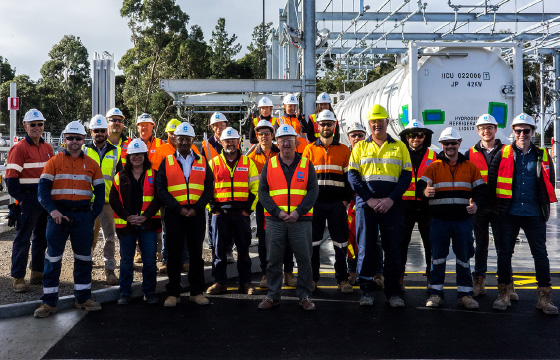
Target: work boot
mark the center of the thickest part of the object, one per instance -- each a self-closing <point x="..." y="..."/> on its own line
<point x="396" y="301"/>
<point x="290" y="279"/>
<point x="19" y="285"/>
<point x="307" y="304"/>
<point x="36" y="278"/>
<point x="352" y="277"/>
<point x="379" y="280"/>
<point x="263" y="283"/>
<point x="111" y="278"/>
<point x="545" y="303"/>
<point x="503" y="301"/>
<point x="345" y="287"/>
<point x="123" y="300"/>
<point x="171" y="301"/>
<point x="138" y="257"/>
<point x="185" y="267"/>
<point x="511" y="292"/>
<point x="401" y="282"/>
<point x="88" y="305"/>
<point x="247" y="288"/>
<point x="434" y="301"/>
<point x="44" y="310"/>
<point x="216" y="289"/>
<point x="199" y="299"/>
<point x="268" y="303"/>
<point x="366" y="299"/>
<point x="163" y="269"/>
<point x="478" y="285"/>
<point x="468" y="303"/>
<point x="151" y="299"/>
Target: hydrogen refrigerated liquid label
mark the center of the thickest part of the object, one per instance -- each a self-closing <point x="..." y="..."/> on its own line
<point x="464" y="122"/>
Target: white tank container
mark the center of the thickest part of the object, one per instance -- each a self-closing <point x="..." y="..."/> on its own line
<point x="453" y="85"/>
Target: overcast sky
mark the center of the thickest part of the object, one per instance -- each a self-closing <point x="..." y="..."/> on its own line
<point x="29" y="28"/>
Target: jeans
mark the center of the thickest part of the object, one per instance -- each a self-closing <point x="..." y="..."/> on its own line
<point x="80" y="231"/>
<point x="535" y="230"/>
<point x="32" y="221"/>
<point x="298" y="236"/>
<point x="261" y="235"/>
<point x="481" y="222"/>
<point x="460" y="234"/>
<point x="106" y="222"/>
<point x="334" y="215"/>
<point x="224" y="227"/>
<point x="414" y="214"/>
<point x="147" y="241"/>
<point x="368" y="226"/>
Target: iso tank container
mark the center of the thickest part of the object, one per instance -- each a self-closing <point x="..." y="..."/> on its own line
<point x="444" y="84"/>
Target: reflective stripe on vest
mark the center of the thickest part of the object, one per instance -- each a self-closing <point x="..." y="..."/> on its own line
<point x="479" y="160"/>
<point x="273" y="121"/>
<point x="108" y="167"/>
<point x="427" y="160"/>
<point x="148" y="193"/>
<point x="185" y="193"/>
<point x="231" y="185"/>
<point x="124" y="149"/>
<point x="287" y="197"/>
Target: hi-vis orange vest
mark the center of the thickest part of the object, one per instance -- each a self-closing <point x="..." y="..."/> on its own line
<point x="287" y="197"/>
<point x="185" y="193"/>
<point x="505" y="175"/>
<point x="316" y="132"/>
<point x="148" y="192"/>
<point x="273" y="121"/>
<point x="231" y="185"/>
<point x="427" y="160"/>
<point x="479" y="160"/>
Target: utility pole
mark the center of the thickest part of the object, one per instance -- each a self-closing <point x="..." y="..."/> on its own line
<point x="13" y="94"/>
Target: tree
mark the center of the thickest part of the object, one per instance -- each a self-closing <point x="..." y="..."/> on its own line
<point x="223" y="51"/>
<point x="6" y="71"/>
<point x="65" y="86"/>
<point x="255" y="60"/>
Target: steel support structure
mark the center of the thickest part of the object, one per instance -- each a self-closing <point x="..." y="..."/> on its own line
<point x="309" y="71"/>
<point x="556" y="145"/>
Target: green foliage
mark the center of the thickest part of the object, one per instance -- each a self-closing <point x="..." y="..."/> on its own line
<point x="255" y="60"/>
<point x="224" y="50"/>
<point x="332" y="80"/>
<point x="6" y="71"/>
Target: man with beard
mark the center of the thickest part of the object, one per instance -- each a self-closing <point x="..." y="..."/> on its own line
<point x="115" y="120"/>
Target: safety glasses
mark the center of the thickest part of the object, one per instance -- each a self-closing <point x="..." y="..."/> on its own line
<point x="449" y="143"/>
<point x="72" y="138"/>
<point x="36" y="124"/>
<point x="114" y="120"/>
<point x="418" y="135"/>
<point x="524" y="131"/>
<point x="97" y="131"/>
<point x="357" y="135"/>
<point x="325" y="124"/>
<point x="267" y="133"/>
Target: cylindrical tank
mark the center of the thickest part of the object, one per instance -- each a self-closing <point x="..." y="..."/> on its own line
<point x="455" y="86"/>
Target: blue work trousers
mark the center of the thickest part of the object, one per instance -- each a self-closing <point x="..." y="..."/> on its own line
<point x="535" y="230"/>
<point x="261" y="235"/>
<point x="459" y="232"/>
<point x="368" y="226"/>
<point x="224" y="227"/>
<point x="80" y="230"/>
<point x="147" y="241"/>
<point x="31" y="221"/>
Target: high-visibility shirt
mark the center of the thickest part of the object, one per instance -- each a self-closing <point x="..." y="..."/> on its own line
<point x="506" y="170"/>
<point x="164" y="151"/>
<point x="287" y="197"/>
<point x="148" y="193"/>
<point x="331" y="166"/>
<point x="479" y="160"/>
<point x="152" y="144"/>
<point x="108" y="165"/>
<point x="260" y="158"/>
<point x="25" y="164"/>
<point x="183" y="190"/>
<point x="427" y="160"/>
<point x="72" y="179"/>
<point x="234" y="184"/>
<point x="296" y="124"/>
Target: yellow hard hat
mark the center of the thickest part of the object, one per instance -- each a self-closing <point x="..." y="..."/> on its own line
<point x="377" y="112"/>
<point x="172" y="125"/>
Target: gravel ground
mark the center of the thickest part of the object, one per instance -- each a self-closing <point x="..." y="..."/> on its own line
<point x="66" y="287"/>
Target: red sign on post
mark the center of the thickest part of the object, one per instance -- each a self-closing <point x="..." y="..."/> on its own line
<point x="13" y="103"/>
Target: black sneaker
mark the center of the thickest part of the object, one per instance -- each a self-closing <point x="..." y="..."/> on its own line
<point x="151" y="299"/>
<point x="124" y="300"/>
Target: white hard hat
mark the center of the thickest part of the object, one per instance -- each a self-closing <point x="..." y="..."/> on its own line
<point x="264" y="123"/>
<point x="217" y="117"/>
<point x="144" y="118"/>
<point x="449" y="134"/>
<point x="265" y="102"/>
<point x="326" y="115"/>
<point x="229" y="133"/>
<point x="285" y="130"/>
<point x="33" y="115"/>
<point x="186" y="129"/>
<point x="98" y="122"/>
<point x="523" y="119"/>
<point x="486" y="119"/>
<point x="137" y="146"/>
<point x="114" y="112"/>
<point x="356" y="127"/>
<point x="324" y="98"/>
<point x="290" y="99"/>
<point x="74" y="127"/>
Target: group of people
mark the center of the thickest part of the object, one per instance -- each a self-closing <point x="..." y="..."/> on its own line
<point x="298" y="178"/>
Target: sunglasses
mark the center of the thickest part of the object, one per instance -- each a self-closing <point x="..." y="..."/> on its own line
<point x="325" y="124"/>
<point x="418" y="135"/>
<point x="97" y="131"/>
<point x="36" y="124"/>
<point x="449" y="143"/>
<point x="524" y="131"/>
<point x="116" y="120"/>
<point x="72" y="138"/>
<point x="268" y="133"/>
<point x="358" y="135"/>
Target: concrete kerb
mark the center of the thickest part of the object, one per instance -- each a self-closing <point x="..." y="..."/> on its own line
<point x="111" y="294"/>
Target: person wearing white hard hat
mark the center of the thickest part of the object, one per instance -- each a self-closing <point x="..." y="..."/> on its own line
<point x="418" y="139"/>
<point x="265" y="113"/>
<point x="68" y="183"/>
<point x="481" y="154"/>
<point x="295" y="120"/>
<point x="324" y="102"/>
<point x="236" y="183"/>
<point x="185" y="185"/>
<point x="213" y="146"/>
<point x="145" y="126"/>
<point x="521" y="179"/>
<point x="25" y="163"/>
<point x="330" y="159"/>
<point x="288" y="217"/>
<point x="109" y="159"/>
<point x="137" y="219"/>
<point x="455" y="191"/>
